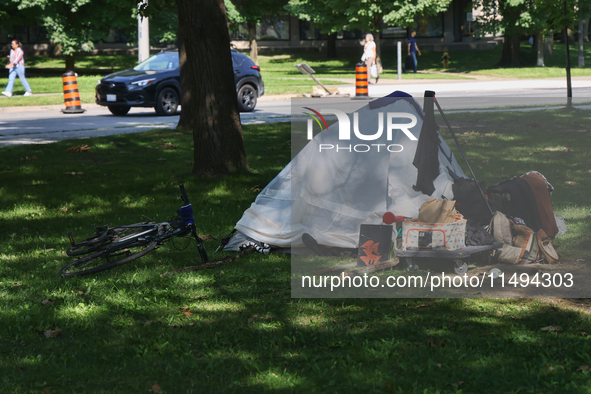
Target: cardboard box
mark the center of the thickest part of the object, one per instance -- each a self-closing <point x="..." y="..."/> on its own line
<point x="434" y="236"/>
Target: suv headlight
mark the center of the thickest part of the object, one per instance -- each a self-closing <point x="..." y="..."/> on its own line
<point x="142" y="83"/>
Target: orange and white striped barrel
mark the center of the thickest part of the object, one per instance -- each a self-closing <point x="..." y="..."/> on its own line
<point x="71" y="94"/>
<point x="361" y="82"/>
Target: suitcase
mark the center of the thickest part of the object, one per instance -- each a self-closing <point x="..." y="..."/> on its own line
<point x="409" y="64"/>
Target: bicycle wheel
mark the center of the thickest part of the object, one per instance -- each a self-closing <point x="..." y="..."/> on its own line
<point x="107" y="259"/>
<point x="98" y="242"/>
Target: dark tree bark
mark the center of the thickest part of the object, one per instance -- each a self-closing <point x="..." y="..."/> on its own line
<point x="208" y="97"/>
<point x="510" y="13"/>
<point x="252" y="39"/>
<point x="70" y="62"/>
<point x="331" y="46"/>
<point x="510" y="56"/>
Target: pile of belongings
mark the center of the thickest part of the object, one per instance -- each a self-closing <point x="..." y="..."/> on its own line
<point x="524" y="220"/>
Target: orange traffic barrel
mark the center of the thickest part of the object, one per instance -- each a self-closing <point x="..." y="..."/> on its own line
<point x="361" y="81"/>
<point x="71" y="94"/>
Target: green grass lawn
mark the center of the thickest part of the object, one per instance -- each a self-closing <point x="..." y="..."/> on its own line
<point x="124" y="330"/>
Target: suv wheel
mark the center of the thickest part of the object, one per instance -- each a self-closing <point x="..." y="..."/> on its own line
<point x="167" y="103"/>
<point x="247" y="98"/>
<point x="119" y="110"/>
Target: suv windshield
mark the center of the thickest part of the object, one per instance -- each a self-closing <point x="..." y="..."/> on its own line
<point x="160" y="62"/>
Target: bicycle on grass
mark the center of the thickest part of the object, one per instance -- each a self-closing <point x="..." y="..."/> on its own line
<point x="111" y="247"/>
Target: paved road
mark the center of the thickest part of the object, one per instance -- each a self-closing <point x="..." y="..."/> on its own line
<point x="35" y="125"/>
<point x="40" y="125"/>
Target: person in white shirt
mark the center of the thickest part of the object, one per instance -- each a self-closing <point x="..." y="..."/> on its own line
<point x="369" y="53"/>
<point x="16" y="67"/>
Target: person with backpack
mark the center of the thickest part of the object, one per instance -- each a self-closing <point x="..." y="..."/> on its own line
<point x="413" y="49"/>
<point x="16" y="67"/>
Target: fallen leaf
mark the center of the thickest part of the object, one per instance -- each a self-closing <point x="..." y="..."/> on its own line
<point x="73" y="149"/>
<point x="64" y="209"/>
<point x="207" y="237"/>
<point x="580" y="261"/>
<point x="184" y="309"/>
<point x="552" y="328"/>
<point x="461" y="382"/>
<point x="583" y="368"/>
<point x="52" y="333"/>
<point x="569" y="182"/>
<point x="84" y="148"/>
<point x="47" y="301"/>
<point x="147" y="322"/>
<point x="155" y="388"/>
<point x="187" y="313"/>
<point x="168" y="145"/>
<point x="432" y="343"/>
<point x="561" y="149"/>
<point x="426" y="304"/>
<point x="17" y="284"/>
<point x="201" y="297"/>
<point x="256" y="188"/>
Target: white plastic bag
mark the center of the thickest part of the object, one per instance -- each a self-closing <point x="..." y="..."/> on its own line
<point x="374" y="71"/>
<point x="363" y="57"/>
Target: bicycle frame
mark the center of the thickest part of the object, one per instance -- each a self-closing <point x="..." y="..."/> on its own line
<point x="106" y="244"/>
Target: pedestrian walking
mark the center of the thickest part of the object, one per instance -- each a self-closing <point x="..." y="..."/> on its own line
<point x="16" y="67"/>
<point x="370" y="55"/>
<point x="413" y="49"/>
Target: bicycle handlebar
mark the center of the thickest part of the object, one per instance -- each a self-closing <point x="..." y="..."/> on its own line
<point x="184" y="195"/>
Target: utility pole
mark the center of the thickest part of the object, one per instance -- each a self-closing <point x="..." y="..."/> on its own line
<point x="569" y="89"/>
<point x="143" y="34"/>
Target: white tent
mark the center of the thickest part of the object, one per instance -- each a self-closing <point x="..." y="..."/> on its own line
<point x="329" y="194"/>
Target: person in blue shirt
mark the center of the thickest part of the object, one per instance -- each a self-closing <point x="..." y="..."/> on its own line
<point x="413" y="49"/>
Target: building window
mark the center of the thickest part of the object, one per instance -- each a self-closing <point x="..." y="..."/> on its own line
<point x="354" y="34"/>
<point x="239" y="31"/>
<point x="273" y="27"/>
<point x="430" y="26"/>
<point x="308" y="31"/>
<point x="394" y="32"/>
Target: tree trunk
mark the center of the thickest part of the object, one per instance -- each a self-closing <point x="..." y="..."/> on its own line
<point x="70" y="62"/>
<point x="540" y="49"/>
<point x="510" y="56"/>
<point x="586" y="30"/>
<point x="581" y="62"/>
<point x="549" y="45"/>
<point x="252" y="38"/>
<point x="376" y="37"/>
<point x="209" y="104"/>
<point x="331" y="47"/>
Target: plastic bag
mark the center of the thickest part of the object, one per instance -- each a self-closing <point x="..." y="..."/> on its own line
<point x="374" y="71"/>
